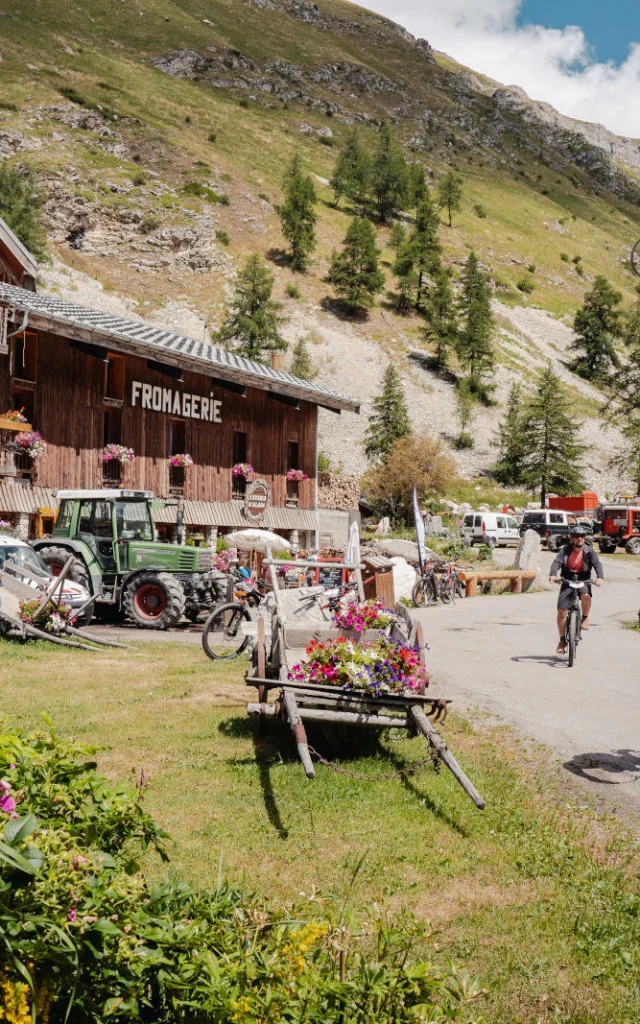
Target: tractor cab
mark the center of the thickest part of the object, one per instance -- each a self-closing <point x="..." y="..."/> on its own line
<point x="620" y="527"/>
<point x="108" y="523"/>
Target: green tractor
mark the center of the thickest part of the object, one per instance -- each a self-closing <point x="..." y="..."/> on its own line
<point x="110" y="534"/>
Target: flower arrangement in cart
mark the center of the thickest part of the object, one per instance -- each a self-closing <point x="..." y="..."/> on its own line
<point x="360" y="616"/>
<point x="52" y="619"/>
<point x="379" y="668"/>
<point x="118" y="453"/>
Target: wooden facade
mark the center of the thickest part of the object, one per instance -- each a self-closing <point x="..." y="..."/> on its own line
<point x="67" y="399"/>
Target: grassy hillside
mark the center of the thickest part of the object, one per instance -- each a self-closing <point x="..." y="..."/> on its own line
<point x="116" y="140"/>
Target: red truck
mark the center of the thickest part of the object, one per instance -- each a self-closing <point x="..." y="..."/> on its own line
<point x="584" y="504"/>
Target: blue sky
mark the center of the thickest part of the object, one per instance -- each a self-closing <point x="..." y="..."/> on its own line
<point x="581" y="57"/>
<point x="609" y="26"/>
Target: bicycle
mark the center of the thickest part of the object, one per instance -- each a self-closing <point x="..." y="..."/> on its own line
<point x="426" y="589"/>
<point x="225" y="621"/>
<point x="573" y="628"/>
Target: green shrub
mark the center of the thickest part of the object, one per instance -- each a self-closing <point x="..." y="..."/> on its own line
<point x="150" y="223"/>
<point x="21" y="206"/>
<point x="480" y="211"/>
<point x="564" y="256"/>
<point x="292" y="291"/>
<point x="464" y="441"/>
<point x="139" y="178"/>
<point x="85" y="938"/>
<point x="223" y="237"/>
<point x="8" y="106"/>
<point x="576" y="260"/>
<point x="187" y="119"/>
<point x="196" y="188"/>
<point x="525" y="284"/>
<point x="531" y="268"/>
<point x="243" y="103"/>
<point x="325" y="141"/>
<point x="221" y="545"/>
<point x="324" y="463"/>
<point x="212" y="136"/>
<point x="263" y="195"/>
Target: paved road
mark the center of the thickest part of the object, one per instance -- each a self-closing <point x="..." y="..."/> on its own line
<point x="498" y="654"/>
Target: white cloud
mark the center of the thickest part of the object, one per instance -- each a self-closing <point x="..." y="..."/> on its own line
<point x="554" y="65"/>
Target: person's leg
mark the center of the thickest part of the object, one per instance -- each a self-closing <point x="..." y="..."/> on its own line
<point x="563" y="611"/>
<point x="586" y="608"/>
<point x="562" y="622"/>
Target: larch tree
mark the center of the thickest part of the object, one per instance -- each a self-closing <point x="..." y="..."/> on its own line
<point x="418" y="187"/>
<point x="20" y="207"/>
<point x="419" y="256"/>
<point x="301" y="365"/>
<point x="597" y="325"/>
<point x="389" y="174"/>
<point x="441" y="318"/>
<point x="252" y="325"/>
<point x="297" y="214"/>
<point x="511" y="441"/>
<point x="355" y="272"/>
<point x="552" y="457"/>
<point x="450" y="194"/>
<point x="626" y="458"/>
<point x="475" y="344"/>
<point x="352" y="173"/>
<point x="413" y="459"/>
<point x="389" y="420"/>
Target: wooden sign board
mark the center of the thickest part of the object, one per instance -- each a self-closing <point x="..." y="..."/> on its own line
<point x="256" y="500"/>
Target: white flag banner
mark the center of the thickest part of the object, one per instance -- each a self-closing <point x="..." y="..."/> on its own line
<point x="352" y="555"/>
<point x="422" y="547"/>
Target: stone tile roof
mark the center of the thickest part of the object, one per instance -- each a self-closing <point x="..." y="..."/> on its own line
<point x="199" y="356"/>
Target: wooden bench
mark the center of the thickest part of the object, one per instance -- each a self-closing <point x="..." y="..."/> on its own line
<point x="514" y="576"/>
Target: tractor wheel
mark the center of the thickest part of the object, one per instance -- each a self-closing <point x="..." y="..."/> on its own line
<point x="632" y="547"/>
<point x="606" y="546"/>
<point x="56" y="558"/>
<point x="154" y="600"/>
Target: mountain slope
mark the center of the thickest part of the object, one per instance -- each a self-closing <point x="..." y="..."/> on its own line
<point x="122" y="105"/>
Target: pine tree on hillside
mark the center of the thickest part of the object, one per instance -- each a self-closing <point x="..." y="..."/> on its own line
<point x="624" y="405"/>
<point x="418" y="187"/>
<point x="301" y="365"/>
<point x="626" y="459"/>
<point x="510" y="441"/>
<point x="297" y="213"/>
<point x="389" y="420"/>
<point x="389" y="174"/>
<point x="252" y="326"/>
<point x="419" y="257"/>
<point x="398" y="236"/>
<point x="354" y="272"/>
<point x="450" y="194"/>
<point x="441" y="318"/>
<point x="597" y="325"/>
<point x="552" y="458"/>
<point x="352" y="174"/>
<point x="475" y="346"/>
<point x="20" y="206"/>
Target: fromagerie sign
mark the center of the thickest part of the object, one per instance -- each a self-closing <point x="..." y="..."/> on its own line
<point x="176" y="403"/>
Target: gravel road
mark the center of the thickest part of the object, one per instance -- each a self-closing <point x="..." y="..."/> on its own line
<point x="497" y="654"/>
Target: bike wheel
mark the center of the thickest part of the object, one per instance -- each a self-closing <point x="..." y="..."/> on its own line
<point x="424" y="593"/>
<point x="221" y="636"/>
<point x="448" y="590"/>
<point x="572" y="635"/>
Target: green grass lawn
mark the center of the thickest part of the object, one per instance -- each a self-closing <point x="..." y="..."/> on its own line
<point x="538" y="896"/>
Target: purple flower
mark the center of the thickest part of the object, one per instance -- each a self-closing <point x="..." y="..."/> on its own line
<point x="73" y="913"/>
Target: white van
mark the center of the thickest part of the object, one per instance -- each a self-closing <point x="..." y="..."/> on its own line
<point x="496" y="529"/>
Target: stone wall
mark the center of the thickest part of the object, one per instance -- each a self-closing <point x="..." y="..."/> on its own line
<point x="338" y="492"/>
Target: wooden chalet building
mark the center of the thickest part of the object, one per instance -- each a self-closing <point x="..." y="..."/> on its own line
<point x="86" y="378"/>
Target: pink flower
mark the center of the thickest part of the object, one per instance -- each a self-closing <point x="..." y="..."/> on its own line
<point x="73" y="913"/>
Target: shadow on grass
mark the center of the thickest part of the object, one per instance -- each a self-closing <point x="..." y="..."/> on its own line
<point x="344" y="310"/>
<point x="276" y="746"/>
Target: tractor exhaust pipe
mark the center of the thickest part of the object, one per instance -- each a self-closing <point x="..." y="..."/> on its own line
<point x="180" y="521"/>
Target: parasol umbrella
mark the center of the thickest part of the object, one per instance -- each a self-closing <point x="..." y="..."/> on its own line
<point x="254" y="539"/>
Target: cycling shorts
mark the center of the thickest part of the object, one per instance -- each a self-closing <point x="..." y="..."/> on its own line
<point x="564" y="597"/>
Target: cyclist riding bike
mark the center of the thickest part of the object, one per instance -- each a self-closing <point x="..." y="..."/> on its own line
<point x="575" y="560"/>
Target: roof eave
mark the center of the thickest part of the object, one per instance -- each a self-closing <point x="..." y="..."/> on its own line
<point x="17" y="249"/>
<point x="117" y="343"/>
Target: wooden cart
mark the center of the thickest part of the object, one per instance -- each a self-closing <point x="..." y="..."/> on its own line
<point x="281" y="642"/>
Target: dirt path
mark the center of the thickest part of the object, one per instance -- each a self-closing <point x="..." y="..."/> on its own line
<point x="497" y="654"/>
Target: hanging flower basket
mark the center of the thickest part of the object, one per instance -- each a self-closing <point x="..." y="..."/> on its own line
<point x="117" y="453"/>
<point x="242" y="469"/>
<point x="379" y="668"/>
<point x="5" y="526"/>
<point x="181" y="461"/>
<point x="297" y="475"/>
<point x="359" y="617"/>
<point x="32" y="443"/>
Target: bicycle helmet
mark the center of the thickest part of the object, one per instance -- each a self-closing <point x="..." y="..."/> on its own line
<point x="577" y="531"/>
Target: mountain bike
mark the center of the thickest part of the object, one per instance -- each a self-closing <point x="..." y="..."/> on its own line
<point x="222" y="633"/>
<point x="573" y="629"/>
<point x="426" y="589"/>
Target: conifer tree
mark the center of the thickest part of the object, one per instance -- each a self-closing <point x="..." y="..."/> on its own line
<point x="352" y="173"/>
<point x="301" y="365"/>
<point x="597" y="325"/>
<point x="398" y="236"/>
<point x="389" y="420"/>
<point x="252" y="326"/>
<point x="297" y="213"/>
<point x="626" y="458"/>
<point x="510" y="441"/>
<point x="450" y="194"/>
<point x="419" y="256"/>
<point x="624" y="404"/>
<point x="389" y="174"/>
<point x="475" y="346"/>
<point x="418" y="187"/>
<point x="20" y="206"/>
<point x="552" y="458"/>
<point x="465" y="408"/>
<point x="355" y="273"/>
<point x="441" y="318"/>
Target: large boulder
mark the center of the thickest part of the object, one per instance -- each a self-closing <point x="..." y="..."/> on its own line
<point x="528" y="557"/>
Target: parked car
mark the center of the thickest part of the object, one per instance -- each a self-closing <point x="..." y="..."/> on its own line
<point x="619" y="527"/>
<point x="492" y="528"/>
<point x="553" y="526"/>
<point x="19" y="552"/>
